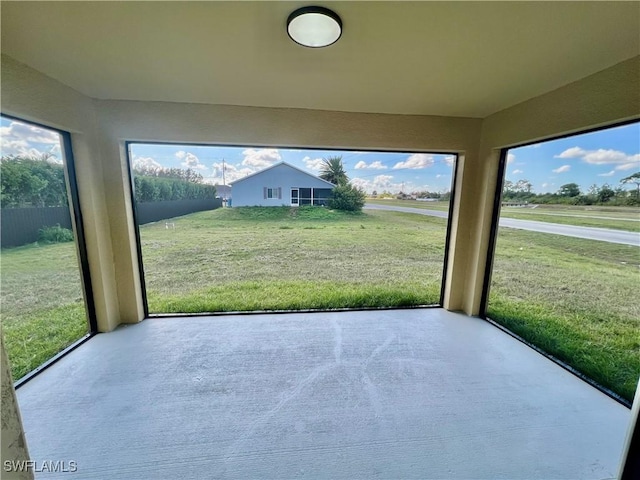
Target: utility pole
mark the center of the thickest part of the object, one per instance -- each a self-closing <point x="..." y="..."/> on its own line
<point x="224" y="183"/>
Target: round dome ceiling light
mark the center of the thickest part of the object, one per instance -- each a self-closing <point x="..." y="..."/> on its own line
<point x="314" y="27"/>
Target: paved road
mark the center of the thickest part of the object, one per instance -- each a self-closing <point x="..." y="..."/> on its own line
<point x="600" y="234"/>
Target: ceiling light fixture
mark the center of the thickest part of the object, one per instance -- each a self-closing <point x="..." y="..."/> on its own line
<point x="314" y="27"/>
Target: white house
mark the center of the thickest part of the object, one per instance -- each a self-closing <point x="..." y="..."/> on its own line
<point x="278" y="185"/>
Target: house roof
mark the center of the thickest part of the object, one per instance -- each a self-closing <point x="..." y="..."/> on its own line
<point x="463" y="59"/>
<point x="277" y="165"/>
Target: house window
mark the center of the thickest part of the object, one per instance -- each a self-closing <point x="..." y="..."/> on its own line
<point x="273" y="193"/>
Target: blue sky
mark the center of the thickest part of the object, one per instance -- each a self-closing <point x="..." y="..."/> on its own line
<point x="600" y="157"/>
<point x="370" y="170"/>
<point x="605" y="156"/>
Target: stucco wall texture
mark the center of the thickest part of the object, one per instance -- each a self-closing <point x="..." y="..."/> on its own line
<point x="14" y="446"/>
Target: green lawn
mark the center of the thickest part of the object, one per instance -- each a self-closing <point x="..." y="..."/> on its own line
<point x="281" y="259"/>
<point x="441" y="206"/>
<point x="575" y="298"/>
<point x="42" y="303"/>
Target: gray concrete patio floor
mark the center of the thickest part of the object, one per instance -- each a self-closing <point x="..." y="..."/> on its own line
<point x="421" y="393"/>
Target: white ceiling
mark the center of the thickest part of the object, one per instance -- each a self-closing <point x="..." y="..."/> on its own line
<point x="439" y="58"/>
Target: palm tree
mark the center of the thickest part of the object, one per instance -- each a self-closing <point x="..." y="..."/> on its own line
<point x="333" y="171"/>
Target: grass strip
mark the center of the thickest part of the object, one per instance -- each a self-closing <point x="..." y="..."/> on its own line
<point x="33" y="340"/>
<point x="605" y="349"/>
<point x="296" y="295"/>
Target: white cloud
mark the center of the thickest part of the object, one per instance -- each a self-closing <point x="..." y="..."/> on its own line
<point x="29" y="133"/>
<point x="380" y="182"/>
<point x="362" y="183"/>
<point x="510" y="158"/>
<point x="416" y="161"/>
<point x="450" y="160"/>
<point x="190" y="161"/>
<point x="254" y="161"/>
<point x="608" y="174"/>
<point x="265" y="157"/>
<point x="313" y="163"/>
<point x="383" y="180"/>
<point x="603" y="157"/>
<point x="377" y="165"/>
<point x="29" y="140"/>
<point x="20" y="148"/>
<point x="628" y="166"/>
<point x="145" y="162"/>
<point x="573" y="152"/>
<point x="231" y="173"/>
<point x="562" y="169"/>
<point x="516" y="172"/>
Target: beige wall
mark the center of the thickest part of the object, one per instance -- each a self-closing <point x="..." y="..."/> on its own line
<point x="32" y="96"/>
<point x="605" y="98"/>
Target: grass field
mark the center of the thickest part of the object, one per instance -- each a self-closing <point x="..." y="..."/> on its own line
<point x="442" y="206"/>
<point x="42" y="303"/>
<point x="282" y="259"/>
<point x="575" y="298"/>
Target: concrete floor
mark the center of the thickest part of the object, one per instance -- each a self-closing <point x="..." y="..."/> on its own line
<point x="385" y="394"/>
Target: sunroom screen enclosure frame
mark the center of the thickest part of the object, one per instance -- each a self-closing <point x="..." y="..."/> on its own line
<point x="493" y="239"/>
<point x="314" y="196"/>
<point x="135" y="215"/>
<point x="77" y="224"/>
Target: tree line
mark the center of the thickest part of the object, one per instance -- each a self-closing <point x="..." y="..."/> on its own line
<point x="571" y="194"/>
<point x="33" y="181"/>
<point x="38" y="181"/>
<point x="161" y="184"/>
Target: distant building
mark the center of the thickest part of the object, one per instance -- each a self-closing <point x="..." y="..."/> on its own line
<point x="281" y="185"/>
<point x="223" y="191"/>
